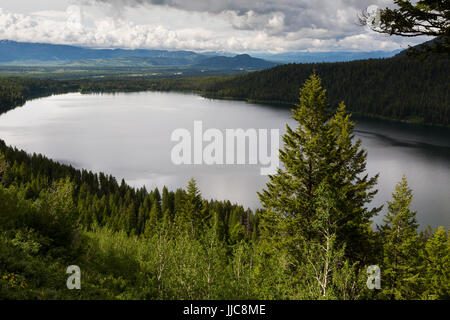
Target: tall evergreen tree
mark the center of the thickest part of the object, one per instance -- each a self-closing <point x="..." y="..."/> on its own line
<point x="3" y="165"/>
<point x="437" y="266"/>
<point x="152" y="222"/>
<point x="319" y="152"/>
<point x="400" y="273"/>
<point x="192" y="213"/>
<point x="165" y="199"/>
<point x="131" y="219"/>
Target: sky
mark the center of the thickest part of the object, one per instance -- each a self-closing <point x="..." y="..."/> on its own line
<point x="238" y="26"/>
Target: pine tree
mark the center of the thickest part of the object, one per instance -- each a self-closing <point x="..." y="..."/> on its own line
<point x="318" y="152"/>
<point x="152" y="223"/>
<point x="437" y="266"/>
<point x="325" y="273"/>
<point x="3" y="166"/>
<point x="131" y="219"/>
<point x="178" y="201"/>
<point x="353" y="189"/>
<point x="58" y="203"/>
<point x="166" y="219"/>
<point x="192" y="213"/>
<point x="400" y="273"/>
<point x="235" y="226"/>
<point x="165" y="200"/>
<point x="141" y="220"/>
<point x="156" y="199"/>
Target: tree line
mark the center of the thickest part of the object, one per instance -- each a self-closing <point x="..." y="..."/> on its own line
<point x="400" y="88"/>
<point x="15" y="92"/>
<point x="312" y="239"/>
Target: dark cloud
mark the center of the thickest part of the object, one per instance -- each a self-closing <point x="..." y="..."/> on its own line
<point x="207" y="25"/>
<point x="332" y="15"/>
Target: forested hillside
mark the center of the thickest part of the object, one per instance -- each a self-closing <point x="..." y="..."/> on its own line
<point x="401" y="88"/>
<point x="16" y="91"/>
<point x="239" y="61"/>
<point x="313" y="238"/>
<point x="397" y="88"/>
<point x="52" y="215"/>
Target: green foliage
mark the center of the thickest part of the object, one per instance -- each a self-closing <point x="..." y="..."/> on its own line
<point x="401" y="246"/>
<point x="326" y="274"/>
<point x="192" y="215"/>
<point x="312" y="240"/>
<point x="35" y="240"/>
<point x="437" y="266"/>
<point x="388" y="88"/>
<point x="15" y="91"/>
<point x="123" y="253"/>
<point x="316" y="203"/>
<point x="319" y="191"/>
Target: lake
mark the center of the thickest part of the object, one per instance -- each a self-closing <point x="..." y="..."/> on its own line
<point x="128" y="135"/>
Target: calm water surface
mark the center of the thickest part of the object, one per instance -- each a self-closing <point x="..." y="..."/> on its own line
<point x="128" y="136"/>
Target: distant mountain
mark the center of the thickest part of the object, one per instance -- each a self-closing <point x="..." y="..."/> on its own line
<point x="144" y="62"/>
<point x="12" y="51"/>
<point x="243" y="61"/>
<point x="42" y="54"/>
<point x="218" y="53"/>
<point x="332" y="56"/>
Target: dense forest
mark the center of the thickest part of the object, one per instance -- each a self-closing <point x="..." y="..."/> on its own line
<point x="16" y="91"/>
<point x="396" y="88"/>
<point x="312" y="239"/>
<point x="400" y="88"/>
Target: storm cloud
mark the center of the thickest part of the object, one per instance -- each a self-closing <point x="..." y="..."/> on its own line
<point x="202" y="25"/>
<point x="282" y="16"/>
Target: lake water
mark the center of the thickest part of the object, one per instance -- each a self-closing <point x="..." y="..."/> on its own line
<point x="128" y="135"/>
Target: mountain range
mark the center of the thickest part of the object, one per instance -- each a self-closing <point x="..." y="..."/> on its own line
<point x="32" y="54"/>
<point x="328" y="56"/>
<point x="23" y="51"/>
<point x="38" y="54"/>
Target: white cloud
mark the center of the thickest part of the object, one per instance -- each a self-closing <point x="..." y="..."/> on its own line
<point x="271" y="23"/>
<point x="50" y="14"/>
<point x="234" y="26"/>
